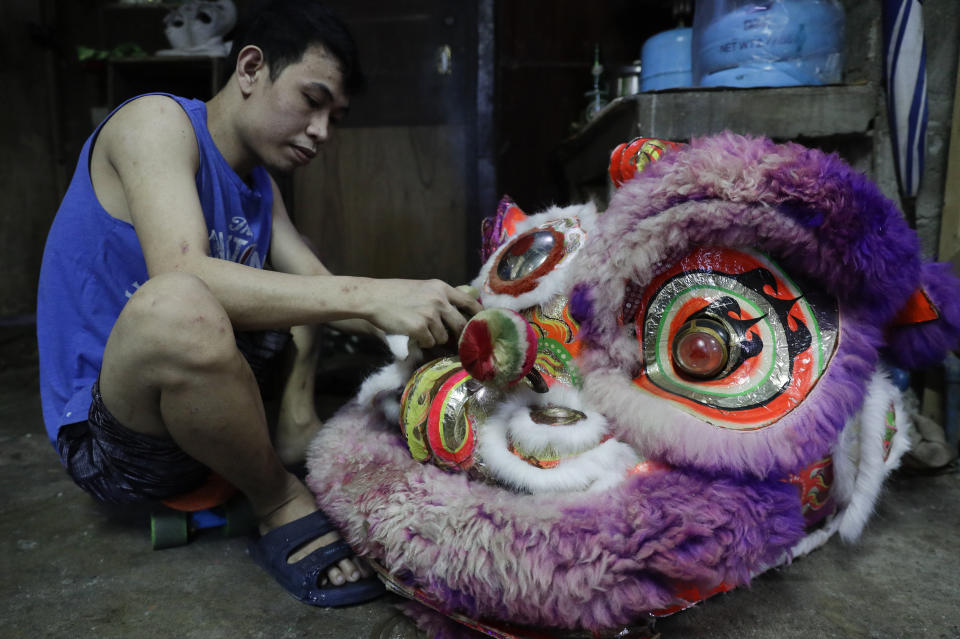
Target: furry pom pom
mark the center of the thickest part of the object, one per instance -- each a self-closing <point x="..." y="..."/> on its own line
<point x="498" y="346"/>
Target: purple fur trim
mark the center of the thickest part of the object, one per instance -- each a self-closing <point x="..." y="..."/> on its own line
<point x="492" y="229"/>
<point x="865" y="253"/>
<point x="921" y="345"/>
<point x="580" y="560"/>
<point x="581" y="304"/>
<point x="822" y="221"/>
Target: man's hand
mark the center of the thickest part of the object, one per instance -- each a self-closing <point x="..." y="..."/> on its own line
<point x="430" y="312"/>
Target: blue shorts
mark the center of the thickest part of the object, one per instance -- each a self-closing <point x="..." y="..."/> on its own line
<point x="119" y="466"/>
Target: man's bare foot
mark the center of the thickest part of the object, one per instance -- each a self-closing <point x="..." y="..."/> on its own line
<point x="300" y="504"/>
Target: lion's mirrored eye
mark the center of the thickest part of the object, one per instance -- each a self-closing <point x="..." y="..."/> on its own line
<point x="526" y="254"/>
<point x="729" y="336"/>
<point x="526" y="259"/>
<point x="520" y="265"/>
<point x="701" y="349"/>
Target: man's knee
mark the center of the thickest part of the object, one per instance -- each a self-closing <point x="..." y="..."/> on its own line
<point x="175" y="317"/>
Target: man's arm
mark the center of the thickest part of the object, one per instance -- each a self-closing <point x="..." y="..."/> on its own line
<point x="151" y="146"/>
<point x="290" y="253"/>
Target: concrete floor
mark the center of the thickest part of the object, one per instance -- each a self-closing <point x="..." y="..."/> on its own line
<point x="70" y="568"/>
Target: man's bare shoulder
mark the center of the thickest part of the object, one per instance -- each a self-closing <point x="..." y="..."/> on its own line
<point x="149" y="125"/>
<point x="148" y="141"/>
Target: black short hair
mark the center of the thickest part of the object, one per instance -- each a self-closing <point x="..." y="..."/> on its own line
<point x="285" y="29"/>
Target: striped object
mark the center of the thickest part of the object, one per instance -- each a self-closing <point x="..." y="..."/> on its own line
<point x="905" y="59"/>
<point x="498" y="346"/>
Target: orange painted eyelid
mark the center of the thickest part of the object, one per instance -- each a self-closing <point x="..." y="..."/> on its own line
<point x="917" y="310"/>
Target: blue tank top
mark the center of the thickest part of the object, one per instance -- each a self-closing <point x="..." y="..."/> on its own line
<point x="92" y="263"/>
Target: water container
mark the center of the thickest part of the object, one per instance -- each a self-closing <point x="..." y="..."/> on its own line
<point x="767" y="42"/>
<point x="667" y="60"/>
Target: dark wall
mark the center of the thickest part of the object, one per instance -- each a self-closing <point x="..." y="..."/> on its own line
<point x="545" y="51"/>
<point x="52" y="103"/>
<point x="29" y="163"/>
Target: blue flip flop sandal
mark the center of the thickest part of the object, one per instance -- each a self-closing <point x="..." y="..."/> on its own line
<point x="301" y="578"/>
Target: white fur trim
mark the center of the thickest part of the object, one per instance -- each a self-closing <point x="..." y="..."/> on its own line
<point x="553" y="283"/>
<point x="390" y="377"/>
<point x="595" y="469"/>
<point x="846" y="457"/>
<point x="400" y="346"/>
<point x="565" y="440"/>
<point x="378" y="389"/>
<point x="873" y="468"/>
<point x="858" y="464"/>
<point x="585" y="212"/>
<point x="815" y="539"/>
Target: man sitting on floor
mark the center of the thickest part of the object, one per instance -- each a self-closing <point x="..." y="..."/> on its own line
<point x="153" y="274"/>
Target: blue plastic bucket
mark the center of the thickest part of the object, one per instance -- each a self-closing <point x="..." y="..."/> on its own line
<point x="667" y="60"/>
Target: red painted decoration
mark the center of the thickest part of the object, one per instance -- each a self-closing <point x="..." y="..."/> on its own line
<point x="917" y="310"/>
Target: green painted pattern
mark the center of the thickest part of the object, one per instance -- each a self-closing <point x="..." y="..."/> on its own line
<point x="699" y="389"/>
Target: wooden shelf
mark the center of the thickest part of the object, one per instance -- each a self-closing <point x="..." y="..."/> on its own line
<point x="782" y="113"/>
